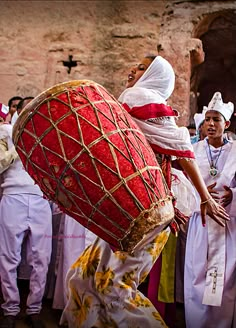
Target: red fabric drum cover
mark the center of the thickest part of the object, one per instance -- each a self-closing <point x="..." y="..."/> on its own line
<point x="87" y="155"/>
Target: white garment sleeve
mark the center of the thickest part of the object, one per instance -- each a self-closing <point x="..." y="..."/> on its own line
<point x="6" y="156"/>
<point x="231" y="208"/>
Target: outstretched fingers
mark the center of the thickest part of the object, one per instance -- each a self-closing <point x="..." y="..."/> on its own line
<point x="215" y="211"/>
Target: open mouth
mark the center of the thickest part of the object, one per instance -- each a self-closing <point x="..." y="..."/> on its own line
<point x="210" y="131"/>
<point x="130" y="77"/>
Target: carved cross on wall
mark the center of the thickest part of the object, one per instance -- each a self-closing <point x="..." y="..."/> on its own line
<point x="70" y="63"/>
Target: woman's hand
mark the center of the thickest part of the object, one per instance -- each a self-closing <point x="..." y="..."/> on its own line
<point x="227" y="197"/>
<point x="215" y="211"/>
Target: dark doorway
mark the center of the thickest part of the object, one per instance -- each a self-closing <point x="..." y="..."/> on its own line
<point x="218" y="72"/>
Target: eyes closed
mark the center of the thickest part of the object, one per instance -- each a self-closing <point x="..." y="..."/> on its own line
<point x="141" y="67"/>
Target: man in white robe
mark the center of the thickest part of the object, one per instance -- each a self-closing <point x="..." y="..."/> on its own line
<point x="23" y="213"/>
<point x="210" y="262"/>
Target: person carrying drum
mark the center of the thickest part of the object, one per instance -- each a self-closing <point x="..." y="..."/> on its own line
<point x="102" y="283"/>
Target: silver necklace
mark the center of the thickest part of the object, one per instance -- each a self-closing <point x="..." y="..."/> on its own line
<point x="213" y="168"/>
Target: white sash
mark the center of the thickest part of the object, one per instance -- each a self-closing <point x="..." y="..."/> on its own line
<point x="216" y="265"/>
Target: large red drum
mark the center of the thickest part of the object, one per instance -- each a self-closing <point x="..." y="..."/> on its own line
<point x="86" y="153"/>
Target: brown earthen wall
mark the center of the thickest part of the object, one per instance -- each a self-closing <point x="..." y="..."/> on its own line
<point x="105" y="37"/>
<point x="178" y="41"/>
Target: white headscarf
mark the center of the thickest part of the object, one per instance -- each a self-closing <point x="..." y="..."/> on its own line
<point x="159" y="76"/>
<point x="154" y="86"/>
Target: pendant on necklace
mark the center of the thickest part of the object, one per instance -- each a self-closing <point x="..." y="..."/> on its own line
<point x="213" y="171"/>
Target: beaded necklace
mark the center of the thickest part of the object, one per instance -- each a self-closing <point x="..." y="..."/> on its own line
<point x="213" y="168"/>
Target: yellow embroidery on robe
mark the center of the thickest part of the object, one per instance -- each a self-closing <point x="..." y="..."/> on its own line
<point x="88" y="261"/>
<point x="157" y="245"/>
<point x="141" y="301"/>
<point x="81" y="306"/>
<point x="112" y="284"/>
<point x="127" y="279"/>
<point x="122" y="256"/>
<point x="103" y="280"/>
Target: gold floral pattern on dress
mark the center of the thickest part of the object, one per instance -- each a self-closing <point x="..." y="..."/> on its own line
<point x="141" y="301"/>
<point x="122" y="256"/>
<point x="157" y="316"/>
<point x="104" y="291"/>
<point x="104" y="280"/>
<point x="127" y="279"/>
<point x="88" y="261"/>
<point x="157" y="245"/>
<point x="81" y="306"/>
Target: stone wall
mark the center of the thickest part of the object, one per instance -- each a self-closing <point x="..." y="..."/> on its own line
<point x="105" y="38"/>
<point x="183" y="24"/>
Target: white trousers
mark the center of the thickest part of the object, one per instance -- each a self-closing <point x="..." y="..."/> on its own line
<point x="20" y="215"/>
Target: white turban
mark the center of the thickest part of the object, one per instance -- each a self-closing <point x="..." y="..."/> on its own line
<point x="216" y="104"/>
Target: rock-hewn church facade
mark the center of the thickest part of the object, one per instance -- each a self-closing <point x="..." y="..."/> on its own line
<point x="43" y="43"/>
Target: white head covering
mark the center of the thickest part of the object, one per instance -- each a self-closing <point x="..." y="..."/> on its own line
<point x="159" y="76"/>
<point x="216" y="104"/>
<point x="198" y="119"/>
<point x="154" y="86"/>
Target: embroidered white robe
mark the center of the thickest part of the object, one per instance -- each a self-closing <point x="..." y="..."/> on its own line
<point x="211" y="250"/>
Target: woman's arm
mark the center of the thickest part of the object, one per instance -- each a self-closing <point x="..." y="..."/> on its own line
<point x="208" y="204"/>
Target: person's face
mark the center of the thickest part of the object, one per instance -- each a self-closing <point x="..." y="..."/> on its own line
<point x="192" y="132"/>
<point x="137" y="71"/>
<point x="215" y="124"/>
<point x="13" y="107"/>
<point x="26" y="101"/>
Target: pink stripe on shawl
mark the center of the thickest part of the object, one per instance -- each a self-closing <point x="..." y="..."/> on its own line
<point x="172" y="152"/>
<point x="155" y="110"/>
<point x="148" y="111"/>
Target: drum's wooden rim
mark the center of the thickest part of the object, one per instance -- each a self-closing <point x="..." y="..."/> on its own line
<point x="34" y="103"/>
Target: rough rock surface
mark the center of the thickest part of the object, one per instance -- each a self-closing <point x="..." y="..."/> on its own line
<point x="107" y="37"/>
